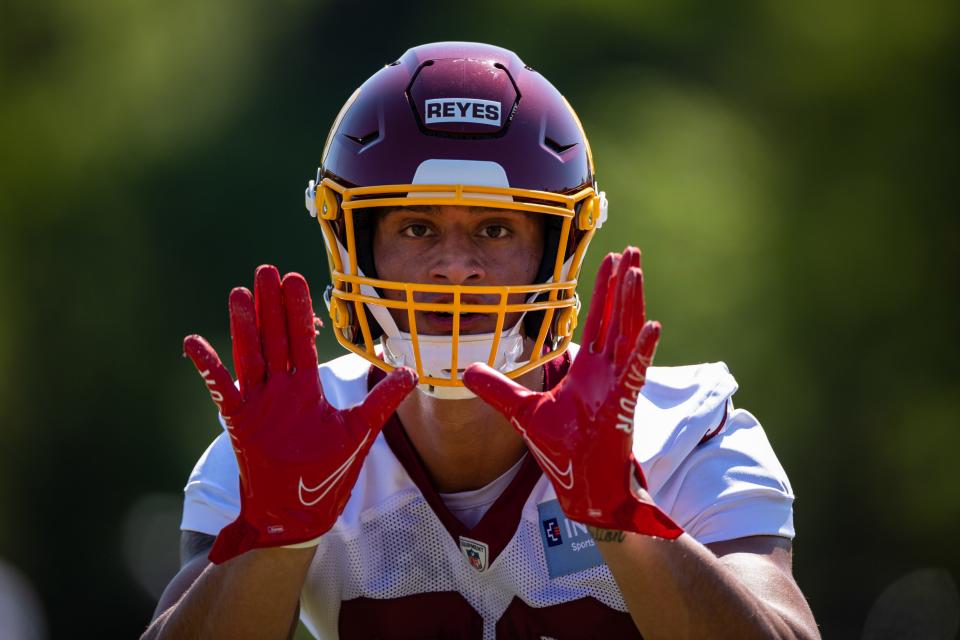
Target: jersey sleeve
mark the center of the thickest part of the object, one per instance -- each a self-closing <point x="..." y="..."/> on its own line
<point x="731" y="485"/>
<point x="709" y="466"/>
<point x="212" y="494"/>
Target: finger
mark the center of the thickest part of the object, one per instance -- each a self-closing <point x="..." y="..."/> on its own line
<point x="219" y="383"/>
<point x="630" y="258"/>
<point x="273" y="326"/>
<point x="496" y="389"/>
<point x="247" y="352"/>
<point x="635" y="374"/>
<point x="599" y="299"/>
<point x="383" y="399"/>
<point x="300" y="322"/>
<point x="632" y="315"/>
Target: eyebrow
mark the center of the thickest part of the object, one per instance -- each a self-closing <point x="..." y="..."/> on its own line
<point x="428" y="209"/>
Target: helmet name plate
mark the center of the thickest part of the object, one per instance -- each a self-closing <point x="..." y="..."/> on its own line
<point x="472" y="110"/>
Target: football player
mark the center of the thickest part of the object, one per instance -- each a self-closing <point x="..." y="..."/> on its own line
<point x="466" y="471"/>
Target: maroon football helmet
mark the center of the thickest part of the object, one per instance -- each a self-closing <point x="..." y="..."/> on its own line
<point x="456" y="123"/>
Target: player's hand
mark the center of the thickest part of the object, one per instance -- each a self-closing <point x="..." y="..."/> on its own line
<point x="298" y="456"/>
<point x="581" y="432"/>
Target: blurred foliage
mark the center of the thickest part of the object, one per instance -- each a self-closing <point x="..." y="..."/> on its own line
<point x="787" y="169"/>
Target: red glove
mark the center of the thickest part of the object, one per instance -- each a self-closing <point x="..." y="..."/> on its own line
<point x="581" y="431"/>
<point x="298" y="456"/>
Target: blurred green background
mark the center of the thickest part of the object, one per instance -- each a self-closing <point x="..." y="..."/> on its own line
<point x="787" y="169"/>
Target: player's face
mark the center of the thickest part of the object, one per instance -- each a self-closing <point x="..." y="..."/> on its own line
<point x="454" y="245"/>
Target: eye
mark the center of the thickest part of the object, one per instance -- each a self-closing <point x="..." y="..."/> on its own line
<point x="495" y="231"/>
<point x="417" y="230"/>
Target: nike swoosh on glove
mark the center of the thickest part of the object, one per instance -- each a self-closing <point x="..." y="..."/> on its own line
<point x="581" y="431"/>
<point x="298" y="456"/>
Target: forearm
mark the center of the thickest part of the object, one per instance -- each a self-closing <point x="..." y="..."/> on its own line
<point x="255" y="595"/>
<point x="680" y="589"/>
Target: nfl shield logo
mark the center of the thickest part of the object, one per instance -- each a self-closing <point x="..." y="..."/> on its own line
<point x="476" y="552"/>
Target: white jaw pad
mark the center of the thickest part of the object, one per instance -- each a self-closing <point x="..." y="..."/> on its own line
<point x="473" y="173"/>
<point x="436" y="352"/>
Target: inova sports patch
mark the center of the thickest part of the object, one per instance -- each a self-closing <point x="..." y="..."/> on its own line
<point x="473" y="110"/>
<point x="567" y="544"/>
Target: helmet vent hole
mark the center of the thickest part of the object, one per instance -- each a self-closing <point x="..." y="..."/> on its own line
<point x="556" y="147"/>
<point x="365" y="139"/>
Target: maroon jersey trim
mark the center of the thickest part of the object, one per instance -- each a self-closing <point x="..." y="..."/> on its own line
<point x="438" y="614"/>
<point x="723" y="421"/>
<point x="447" y="614"/>
<point x="500" y="522"/>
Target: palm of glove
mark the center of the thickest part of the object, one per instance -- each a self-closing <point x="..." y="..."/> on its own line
<point x="586" y="422"/>
<point x="298" y="456"/>
<point x="581" y="432"/>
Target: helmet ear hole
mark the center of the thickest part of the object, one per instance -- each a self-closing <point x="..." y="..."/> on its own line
<point x="553" y="225"/>
<point x="364" y="228"/>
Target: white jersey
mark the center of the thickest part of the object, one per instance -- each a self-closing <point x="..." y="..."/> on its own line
<point x="399" y="564"/>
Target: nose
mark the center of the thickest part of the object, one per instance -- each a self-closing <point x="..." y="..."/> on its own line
<point x="456" y="261"/>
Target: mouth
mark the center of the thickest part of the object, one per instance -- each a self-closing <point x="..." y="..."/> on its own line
<point x="438" y="322"/>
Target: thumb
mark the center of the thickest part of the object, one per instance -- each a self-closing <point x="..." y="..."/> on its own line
<point x="496" y="389"/>
<point x="384" y="398"/>
<point x="219" y="383"/>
